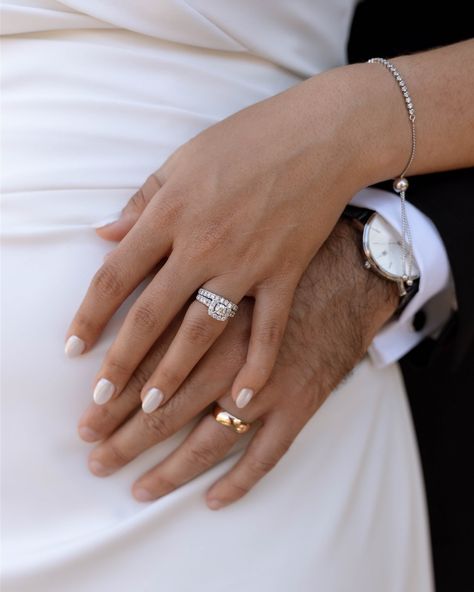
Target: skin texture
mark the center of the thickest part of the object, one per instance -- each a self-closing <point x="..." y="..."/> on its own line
<point x="243" y="207"/>
<point x="337" y="300"/>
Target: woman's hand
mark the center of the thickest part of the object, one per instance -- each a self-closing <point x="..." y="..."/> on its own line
<point x="241" y="210"/>
<point x="338" y="308"/>
<point x="243" y="207"/>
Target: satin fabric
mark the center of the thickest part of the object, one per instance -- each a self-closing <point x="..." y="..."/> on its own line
<point x="95" y="96"/>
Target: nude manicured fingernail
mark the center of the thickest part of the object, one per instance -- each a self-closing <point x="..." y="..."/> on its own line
<point x="152" y="400"/>
<point x="214" y="504"/>
<point x="244" y="397"/>
<point x="103" y="391"/>
<point x="74" y="346"/>
<point x="142" y="495"/>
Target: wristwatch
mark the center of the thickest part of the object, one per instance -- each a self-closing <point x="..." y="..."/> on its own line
<point x="382" y="248"/>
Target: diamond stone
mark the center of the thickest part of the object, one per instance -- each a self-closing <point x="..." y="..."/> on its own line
<point x="218" y="310"/>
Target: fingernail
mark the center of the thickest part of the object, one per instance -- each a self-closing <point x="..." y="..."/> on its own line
<point x="152" y="400"/>
<point x="87" y="434"/>
<point x="103" y="391"/>
<point x="244" y="397"/>
<point x="99" y="469"/>
<point x="142" y="495"/>
<point x="74" y="346"/>
<point x="214" y="504"/>
<point x="109" y="220"/>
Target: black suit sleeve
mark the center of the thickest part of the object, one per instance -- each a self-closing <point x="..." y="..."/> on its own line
<point x="448" y="199"/>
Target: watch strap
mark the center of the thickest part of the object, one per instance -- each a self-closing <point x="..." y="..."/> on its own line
<point x="405" y="299"/>
<point x="357" y="213"/>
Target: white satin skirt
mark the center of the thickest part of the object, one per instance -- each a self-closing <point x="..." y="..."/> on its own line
<point x="87" y="116"/>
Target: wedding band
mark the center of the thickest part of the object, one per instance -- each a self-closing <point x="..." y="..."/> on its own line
<point x="218" y="307"/>
<point x="227" y="419"/>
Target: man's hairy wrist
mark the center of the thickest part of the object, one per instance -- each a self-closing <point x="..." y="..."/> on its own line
<point x="376" y="297"/>
<point x="339" y="307"/>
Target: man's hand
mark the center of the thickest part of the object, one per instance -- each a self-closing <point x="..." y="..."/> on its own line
<point x="338" y="308"/>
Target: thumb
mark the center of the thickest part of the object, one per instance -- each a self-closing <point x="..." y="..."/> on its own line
<point x="116" y="228"/>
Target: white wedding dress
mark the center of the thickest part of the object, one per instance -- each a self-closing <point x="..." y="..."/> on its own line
<point x="96" y="94"/>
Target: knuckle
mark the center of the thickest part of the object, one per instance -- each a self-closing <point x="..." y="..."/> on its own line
<point x="270" y="333"/>
<point x="207" y="240"/>
<point x="237" y="489"/>
<point x="170" y="376"/>
<point x="163" y="484"/>
<point x="108" y="281"/>
<point x="86" y="324"/>
<point x="215" y="233"/>
<point x="171" y="208"/>
<point x="116" y="367"/>
<point x="202" y="457"/>
<point x="157" y="425"/>
<point x="261" y="466"/>
<point x="145" y="318"/>
<point x="198" y="331"/>
<point x="117" y="454"/>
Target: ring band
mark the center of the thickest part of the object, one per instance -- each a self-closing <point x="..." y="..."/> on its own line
<point x="218" y="307"/>
<point x="227" y="419"/>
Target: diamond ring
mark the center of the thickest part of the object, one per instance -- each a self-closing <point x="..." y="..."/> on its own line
<point x="218" y="307"/>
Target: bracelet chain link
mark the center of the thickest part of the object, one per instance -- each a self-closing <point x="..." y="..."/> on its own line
<point x="400" y="184"/>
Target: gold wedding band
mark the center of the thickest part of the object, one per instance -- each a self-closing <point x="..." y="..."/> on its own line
<point x="227" y="419"/>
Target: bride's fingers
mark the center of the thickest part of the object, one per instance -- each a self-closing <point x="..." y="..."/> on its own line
<point x="265" y="450"/>
<point x="125" y="267"/>
<point x="205" y="446"/>
<point x="99" y="421"/>
<point x="206" y="384"/>
<point x="116" y="230"/>
<point x="146" y="320"/>
<point x="270" y="316"/>
<point x="196" y="335"/>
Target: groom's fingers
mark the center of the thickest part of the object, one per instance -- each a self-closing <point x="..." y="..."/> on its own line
<point x="265" y="450"/>
<point x="99" y="421"/>
<point x="205" y="446"/>
<point x="208" y="382"/>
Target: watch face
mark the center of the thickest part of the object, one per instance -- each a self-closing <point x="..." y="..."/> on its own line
<point x="383" y="247"/>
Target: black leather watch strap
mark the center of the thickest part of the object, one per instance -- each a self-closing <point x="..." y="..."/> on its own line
<point x="356" y="213"/>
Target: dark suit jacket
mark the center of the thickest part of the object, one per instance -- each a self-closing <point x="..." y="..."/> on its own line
<point x="439" y="375"/>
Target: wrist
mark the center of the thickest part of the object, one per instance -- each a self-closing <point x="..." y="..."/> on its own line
<point x="375" y="295"/>
<point x="371" y="121"/>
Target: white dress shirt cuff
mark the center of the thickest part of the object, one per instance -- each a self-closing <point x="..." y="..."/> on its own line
<point x="436" y="290"/>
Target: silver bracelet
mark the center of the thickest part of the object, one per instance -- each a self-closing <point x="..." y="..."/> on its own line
<point x="400" y="184"/>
